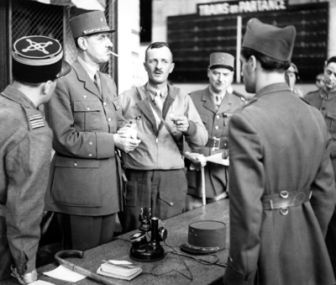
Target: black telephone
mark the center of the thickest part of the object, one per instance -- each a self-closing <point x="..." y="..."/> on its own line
<point x="146" y="243"/>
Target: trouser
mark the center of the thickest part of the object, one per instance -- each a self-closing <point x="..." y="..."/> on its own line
<point x="85" y="232"/>
<point x="163" y="191"/>
<point x="331" y="233"/>
<point x="5" y="256"/>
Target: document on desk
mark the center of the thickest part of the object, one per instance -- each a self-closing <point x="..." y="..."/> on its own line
<point x="218" y="159"/>
<point x="65" y="274"/>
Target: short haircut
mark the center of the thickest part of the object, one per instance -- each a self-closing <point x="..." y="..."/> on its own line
<point x="157" y="45"/>
<point x="331" y="59"/>
<point x="267" y="62"/>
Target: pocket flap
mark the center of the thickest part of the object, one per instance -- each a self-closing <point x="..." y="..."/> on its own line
<point x="75" y="162"/>
<point x="87" y="106"/>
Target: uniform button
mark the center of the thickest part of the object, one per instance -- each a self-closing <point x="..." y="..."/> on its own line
<point x="109" y="119"/>
<point x="217" y="117"/>
<point x="75" y="164"/>
<point x="90" y="143"/>
<point x="88" y="108"/>
<point x="90" y="154"/>
<point x="84" y="96"/>
<point x="216" y="127"/>
<point x="104" y="104"/>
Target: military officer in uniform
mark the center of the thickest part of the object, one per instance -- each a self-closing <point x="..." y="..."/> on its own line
<point x="215" y="104"/>
<point x="25" y="149"/>
<point x="324" y="99"/>
<point x="282" y="189"/>
<point x="85" y="115"/>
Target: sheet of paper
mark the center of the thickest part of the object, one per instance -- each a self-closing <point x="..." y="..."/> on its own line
<point x="64" y="274"/>
<point x="41" y="282"/>
<point x="217" y="158"/>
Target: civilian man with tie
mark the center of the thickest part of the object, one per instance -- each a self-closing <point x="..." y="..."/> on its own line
<point x="215" y="104"/>
<point x="164" y="116"/>
<point x="85" y="116"/>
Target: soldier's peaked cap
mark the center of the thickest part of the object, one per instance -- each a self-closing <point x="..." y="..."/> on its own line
<point x="275" y="42"/>
<point x="221" y="59"/>
<point x="38" y="59"/>
<point x="85" y="24"/>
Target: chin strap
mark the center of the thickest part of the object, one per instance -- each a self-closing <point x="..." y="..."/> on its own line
<point x="25" y="278"/>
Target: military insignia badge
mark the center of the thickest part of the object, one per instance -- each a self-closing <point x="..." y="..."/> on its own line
<point x="37" y="59"/>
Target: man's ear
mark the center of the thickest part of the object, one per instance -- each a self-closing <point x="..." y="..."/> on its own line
<point x="46" y="87"/>
<point x="252" y="61"/>
<point x="81" y="41"/>
<point x="172" y="65"/>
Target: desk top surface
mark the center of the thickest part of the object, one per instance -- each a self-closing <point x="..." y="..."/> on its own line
<point x="173" y="268"/>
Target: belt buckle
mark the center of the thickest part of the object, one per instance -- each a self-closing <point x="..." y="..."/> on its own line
<point x="215" y="143"/>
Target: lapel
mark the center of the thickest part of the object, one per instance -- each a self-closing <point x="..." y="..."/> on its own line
<point x="85" y="79"/>
<point x="207" y="101"/>
<point x="169" y="100"/>
<point x="145" y="108"/>
<point x="226" y="103"/>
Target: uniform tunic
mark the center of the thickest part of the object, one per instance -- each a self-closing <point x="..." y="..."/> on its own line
<point x="326" y="103"/>
<point x="84" y="179"/>
<point x="216" y="121"/>
<point x="278" y="142"/>
<point x="25" y="149"/>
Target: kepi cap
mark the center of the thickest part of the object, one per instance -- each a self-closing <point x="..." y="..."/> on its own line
<point x="89" y="23"/>
<point x="38" y="59"/>
<point x="275" y="42"/>
<point x="204" y="237"/>
<point x="221" y="59"/>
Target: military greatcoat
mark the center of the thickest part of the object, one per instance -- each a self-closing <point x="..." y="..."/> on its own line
<point x="84" y="179"/>
<point x="279" y="145"/>
<point x="25" y="150"/>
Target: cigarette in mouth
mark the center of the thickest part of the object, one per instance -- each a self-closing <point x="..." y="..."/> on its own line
<point x="113" y="53"/>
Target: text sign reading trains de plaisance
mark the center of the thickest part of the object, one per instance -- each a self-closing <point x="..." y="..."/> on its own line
<point x="240" y="7"/>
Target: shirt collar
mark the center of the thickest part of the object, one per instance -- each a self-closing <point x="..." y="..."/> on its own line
<point x="90" y="69"/>
<point x="154" y="91"/>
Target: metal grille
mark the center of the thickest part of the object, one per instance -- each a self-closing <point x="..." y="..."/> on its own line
<point x="30" y="17"/>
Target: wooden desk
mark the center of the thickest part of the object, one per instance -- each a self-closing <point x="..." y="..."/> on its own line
<point x="173" y="269"/>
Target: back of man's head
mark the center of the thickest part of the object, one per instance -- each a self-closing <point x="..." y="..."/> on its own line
<point x="37" y="59"/>
<point x="271" y="45"/>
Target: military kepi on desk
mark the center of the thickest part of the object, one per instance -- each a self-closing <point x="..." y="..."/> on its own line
<point x="120" y="269"/>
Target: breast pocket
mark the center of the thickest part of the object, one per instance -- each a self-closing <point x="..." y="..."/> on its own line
<point x="88" y="115"/>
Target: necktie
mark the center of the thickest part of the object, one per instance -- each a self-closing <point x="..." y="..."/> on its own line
<point x="218" y="100"/>
<point x="158" y="100"/>
<point x="97" y="81"/>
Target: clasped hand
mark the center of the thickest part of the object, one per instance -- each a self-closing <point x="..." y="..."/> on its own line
<point x="125" y="139"/>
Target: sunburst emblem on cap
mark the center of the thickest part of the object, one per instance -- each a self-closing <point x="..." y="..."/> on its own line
<point x="37" y="46"/>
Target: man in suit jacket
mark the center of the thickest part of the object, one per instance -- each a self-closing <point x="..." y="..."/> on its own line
<point x="282" y="191"/>
<point x="85" y="114"/>
<point x="164" y="116"/>
<point x="215" y="104"/>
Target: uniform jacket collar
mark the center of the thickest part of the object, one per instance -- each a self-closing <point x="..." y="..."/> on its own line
<point x="209" y="104"/>
<point x="15" y="95"/>
<point x="84" y="77"/>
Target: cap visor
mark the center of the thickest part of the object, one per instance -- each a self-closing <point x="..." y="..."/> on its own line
<point x="186" y="247"/>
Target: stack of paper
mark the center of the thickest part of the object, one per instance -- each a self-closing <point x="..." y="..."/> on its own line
<point x="120" y="269"/>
